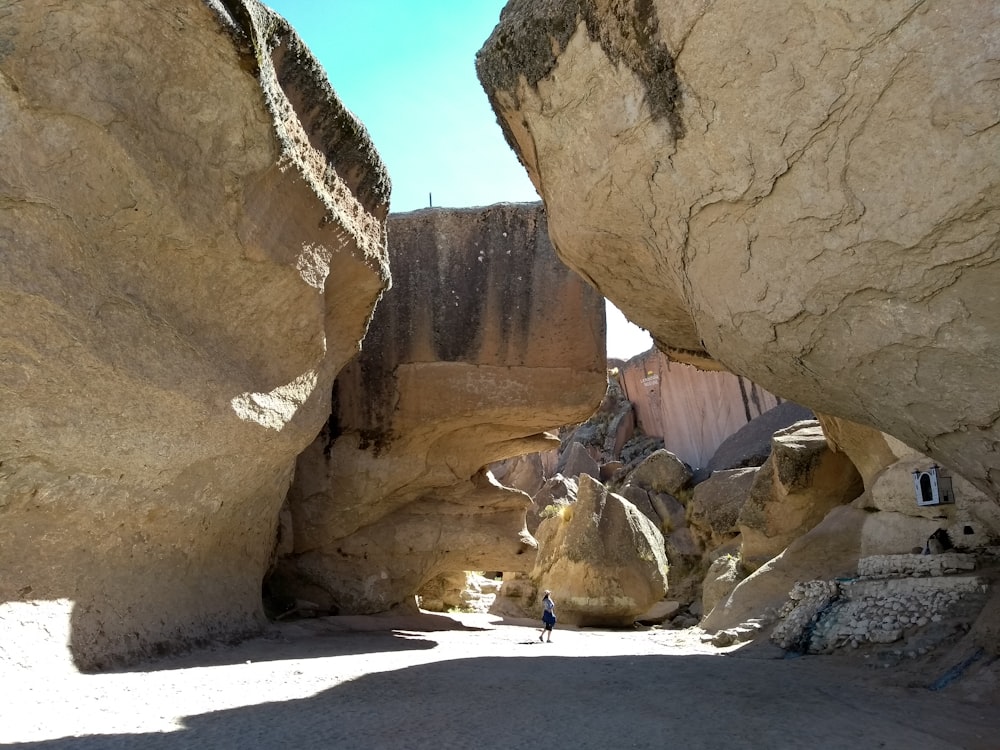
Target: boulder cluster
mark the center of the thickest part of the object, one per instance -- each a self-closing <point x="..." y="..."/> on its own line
<point x="712" y="531"/>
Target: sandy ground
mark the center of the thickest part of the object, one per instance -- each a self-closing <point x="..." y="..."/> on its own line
<point x="474" y="681"/>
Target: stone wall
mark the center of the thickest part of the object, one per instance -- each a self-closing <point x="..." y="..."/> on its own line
<point x="884" y="566"/>
<point x="886" y="604"/>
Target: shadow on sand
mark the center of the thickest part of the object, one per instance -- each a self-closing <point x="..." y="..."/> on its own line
<point x="692" y="702"/>
<point x="313" y="639"/>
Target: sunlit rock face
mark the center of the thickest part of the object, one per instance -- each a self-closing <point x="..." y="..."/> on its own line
<point x="885" y="520"/>
<point x="192" y="232"/>
<point x="895" y="523"/>
<point x="692" y="410"/>
<point x="807" y="195"/>
<point x="799" y="483"/>
<point x="485" y="340"/>
<point x="603" y="560"/>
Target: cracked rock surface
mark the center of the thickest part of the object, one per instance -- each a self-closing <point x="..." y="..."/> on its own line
<point x="817" y="209"/>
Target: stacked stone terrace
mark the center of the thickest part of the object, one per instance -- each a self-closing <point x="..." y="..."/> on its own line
<point x="889" y="566"/>
<point x="913" y="601"/>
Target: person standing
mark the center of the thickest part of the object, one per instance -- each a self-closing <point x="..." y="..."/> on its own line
<point x="548" y="617"/>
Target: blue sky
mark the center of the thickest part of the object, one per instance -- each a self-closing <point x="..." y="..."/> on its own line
<point x="407" y="70"/>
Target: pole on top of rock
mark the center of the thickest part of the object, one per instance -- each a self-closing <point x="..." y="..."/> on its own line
<point x="430" y="201"/>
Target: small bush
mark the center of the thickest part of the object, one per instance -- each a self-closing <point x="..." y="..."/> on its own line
<point x="561" y="508"/>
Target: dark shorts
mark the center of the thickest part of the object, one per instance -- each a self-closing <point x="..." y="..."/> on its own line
<point x="548" y="620"/>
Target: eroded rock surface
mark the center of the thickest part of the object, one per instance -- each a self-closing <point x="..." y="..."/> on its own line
<point x="720" y="580"/>
<point x="716" y="503"/>
<point x="801" y="481"/>
<point x="830" y="549"/>
<point x="694" y="411"/>
<point x="809" y="196"/>
<point x="896" y="524"/>
<point x="751" y="444"/>
<point x="602" y="558"/>
<point x="485" y="340"/>
<point x="883" y="524"/>
<point x="661" y="471"/>
<point x="192" y="239"/>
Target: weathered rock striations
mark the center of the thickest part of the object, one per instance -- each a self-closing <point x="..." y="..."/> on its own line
<point x="192" y="240"/>
<point x="692" y="410"/>
<point x="485" y="340"/>
<point x="808" y="196"/>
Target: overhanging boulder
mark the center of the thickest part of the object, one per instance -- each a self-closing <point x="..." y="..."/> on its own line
<point x="192" y="238"/>
<point x="806" y="196"/>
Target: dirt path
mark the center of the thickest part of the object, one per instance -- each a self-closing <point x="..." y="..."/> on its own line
<point x="470" y="681"/>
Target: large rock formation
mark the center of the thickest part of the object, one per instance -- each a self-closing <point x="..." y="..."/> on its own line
<point x="692" y="410"/>
<point x="830" y="549"/>
<point x="807" y="195"/>
<point x="527" y="472"/>
<point x="885" y="522"/>
<point x="658" y="487"/>
<point x="192" y="239"/>
<point x="895" y="523"/>
<point x="801" y="481"/>
<point x="661" y="471"/>
<point x="716" y="504"/>
<point x="485" y="340"/>
<point x="751" y="444"/>
<point x="603" y="559"/>
<point x="611" y="438"/>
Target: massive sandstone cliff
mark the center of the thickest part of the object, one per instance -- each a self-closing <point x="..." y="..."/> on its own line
<point x="192" y="240"/>
<point x="808" y="195"/>
<point x="692" y="410"/>
<point x="485" y="340"/>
